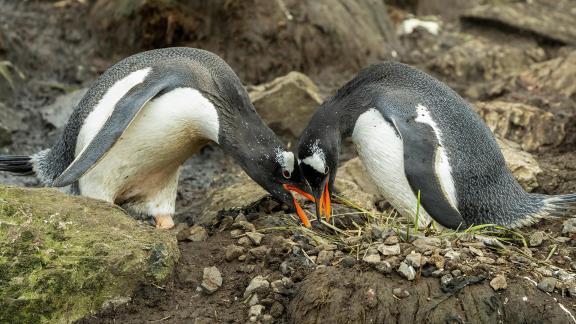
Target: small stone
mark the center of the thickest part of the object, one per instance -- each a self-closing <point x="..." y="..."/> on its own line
<point x="377" y="231"/>
<point x="486" y="260"/>
<point x="498" y="283"/>
<point x="247" y="226"/>
<point x="285" y="268"/>
<point x="438" y="273"/>
<point x="232" y="252"/>
<point x="400" y="292"/>
<point x="253" y="300"/>
<point x="476" y="252"/>
<point x="324" y="257"/>
<point x="348" y="261"/>
<point x="255" y="237"/>
<point x="562" y="239"/>
<point x="267" y="318"/>
<point x="245" y="241"/>
<point x="456" y="273"/>
<point x="544" y="271"/>
<point x="572" y="291"/>
<point x="372" y="259"/>
<point x="437" y="260"/>
<point x="427" y="242"/>
<point x="197" y="234"/>
<point x="389" y="250"/>
<point x="288" y="283"/>
<point x="240" y="218"/>
<point x="327" y="247"/>
<point x="445" y="279"/>
<point x="569" y="226"/>
<point x="257" y="284"/>
<point x="407" y="271"/>
<point x="547" y="284"/>
<point x="536" y="238"/>
<point x="279" y="287"/>
<point x="256" y="310"/>
<point x="352" y="240"/>
<point x="452" y="255"/>
<point x="236" y="233"/>
<point x="258" y="252"/>
<point x="242" y="258"/>
<point x="182" y="230"/>
<point x="415" y="259"/>
<point x="211" y="280"/>
<point x="277" y="309"/>
<point x="372" y="251"/>
<point x="383" y="267"/>
<point x="390" y="240"/>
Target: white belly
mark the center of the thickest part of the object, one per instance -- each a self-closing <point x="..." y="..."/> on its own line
<point x="382" y="153"/>
<point x="143" y="165"/>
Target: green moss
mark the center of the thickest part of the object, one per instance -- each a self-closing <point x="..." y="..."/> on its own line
<point x="64" y="257"/>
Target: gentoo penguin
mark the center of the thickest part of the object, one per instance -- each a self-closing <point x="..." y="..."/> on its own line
<point x="416" y="136"/>
<point x="147" y="114"/>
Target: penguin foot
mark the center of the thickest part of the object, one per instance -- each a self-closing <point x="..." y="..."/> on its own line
<point x="164" y="221"/>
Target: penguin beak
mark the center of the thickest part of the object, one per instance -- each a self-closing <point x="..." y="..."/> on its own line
<point x="303" y="218"/>
<point x="323" y="204"/>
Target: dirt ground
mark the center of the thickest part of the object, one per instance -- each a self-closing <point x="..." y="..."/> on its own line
<point x="54" y="46"/>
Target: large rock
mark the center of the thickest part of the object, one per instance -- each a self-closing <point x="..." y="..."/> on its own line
<point x="64" y="257"/>
<point x="526" y="125"/>
<point x="10" y="120"/>
<point x="522" y="164"/>
<point x="59" y="111"/>
<point x="552" y="19"/>
<point x="286" y="103"/>
<point x="480" y="59"/>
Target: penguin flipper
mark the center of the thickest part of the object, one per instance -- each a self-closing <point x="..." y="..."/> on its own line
<point x="125" y="110"/>
<point x="422" y="151"/>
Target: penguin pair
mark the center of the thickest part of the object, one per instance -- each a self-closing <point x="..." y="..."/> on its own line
<point x="418" y="138"/>
<point x="127" y="138"/>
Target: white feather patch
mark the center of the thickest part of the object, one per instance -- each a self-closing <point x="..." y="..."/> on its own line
<point x="285" y="159"/>
<point x="317" y="160"/>
<point x="442" y="164"/>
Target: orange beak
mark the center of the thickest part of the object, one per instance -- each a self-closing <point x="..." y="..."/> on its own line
<point x="303" y="218"/>
<point x="325" y="205"/>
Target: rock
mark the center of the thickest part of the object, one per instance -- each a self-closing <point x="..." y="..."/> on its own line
<point x="235" y="233"/>
<point x="456" y="273"/>
<point x="282" y="286"/>
<point x="348" y="261"/>
<point x="247" y="226"/>
<point x="427" y="242"/>
<point x="486" y="260"/>
<point x="254" y="300"/>
<point x="256" y="310"/>
<point x="476" y="252"/>
<point x="415" y="259"/>
<point x="445" y="279"/>
<point x="324" y="257"/>
<point x="389" y="250"/>
<point x="259" y="252"/>
<point x="255" y="237"/>
<point x="536" y="238"/>
<point x="384" y="267"/>
<point x="569" y="226"/>
<point x="258" y="284"/>
<point x="498" y="282"/>
<point x="452" y="255"/>
<point x="407" y="271"/>
<point x="232" y="252"/>
<point x="58" y="113"/>
<point x="211" y="280"/>
<point x="400" y="292"/>
<point x="353" y="170"/>
<point x="286" y="103"/>
<point x="276" y="309"/>
<point x="547" y="284"/>
<point x="529" y="126"/>
<point x="392" y="240"/>
<point x="522" y="164"/>
<point x="245" y="241"/>
<point x="372" y="259"/>
<point x="197" y="234"/>
<point x="75" y="247"/>
<point x="555" y="22"/>
<point x="437" y="260"/>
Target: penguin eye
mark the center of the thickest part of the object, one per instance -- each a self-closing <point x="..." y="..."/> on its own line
<point x="326" y="169"/>
<point x="286" y="174"/>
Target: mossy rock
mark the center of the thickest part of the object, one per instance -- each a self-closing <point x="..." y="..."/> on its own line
<point x="65" y="257"/>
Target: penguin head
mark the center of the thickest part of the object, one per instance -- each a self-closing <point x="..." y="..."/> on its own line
<point x="318" y="162"/>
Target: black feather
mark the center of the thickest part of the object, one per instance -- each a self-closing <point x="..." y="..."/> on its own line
<point x="17" y="164"/>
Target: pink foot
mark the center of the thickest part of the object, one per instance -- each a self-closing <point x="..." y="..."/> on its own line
<point x="164" y="221"/>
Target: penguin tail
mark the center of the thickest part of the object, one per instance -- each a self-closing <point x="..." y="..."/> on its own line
<point x="17" y="164"/>
<point x="539" y="206"/>
<point x="560" y="206"/>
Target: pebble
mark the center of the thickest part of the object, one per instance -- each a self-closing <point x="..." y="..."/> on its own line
<point x="383" y="267"/>
<point x="391" y="240"/>
<point x="348" y="261"/>
<point x="389" y="250"/>
<point x="211" y="280"/>
<point x="562" y="239"/>
<point x="445" y="279"/>
<point x="256" y="310"/>
<point x="437" y="260"/>
<point x="253" y="300"/>
<point x="438" y="273"/>
<point x="277" y="309"/>
<point x="324" y="257"/>
<point x="456" y="273"/>
<point x="572" y="291"/>
<point x="407" y="271"/>
<point x="257" y="284"/>
<point x="258" y="252"/>
<point x="427" y="242"/>
<point x="476" y="252"/>
<point x="352" y="240"/>
<point x="377" y="231"/>
<point x="182" y="231"/>
<point x="536" y="238"/>
<point x="569" y="226"/>
<point x="452" y="255"/>
<point x="247" y="226"/>
<point x="285" y="268"/>
<point x="544" y="271"/>
<point x="232" y="252"/>
<point x="279" y="287"/>
<point x="255" y="237"/>
<point x="236" y="233"/>
<point x="547" y="284"/>
<point x="242" y="257"/>
<point x="415" y="259"/>
<point x="400" y="292"/>
<point x="240" y="218"/>
<point x="328" y="247"/>
<point x="499" y="282"/>
<point x="197" y="234"/>
<point x="486" y="260"/>
<point x="245" y="241"/>
<point x="372" y="259"/>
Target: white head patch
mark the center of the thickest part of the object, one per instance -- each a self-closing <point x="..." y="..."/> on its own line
<point x="285" y="159"/>
<point x="317" y="160"/>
